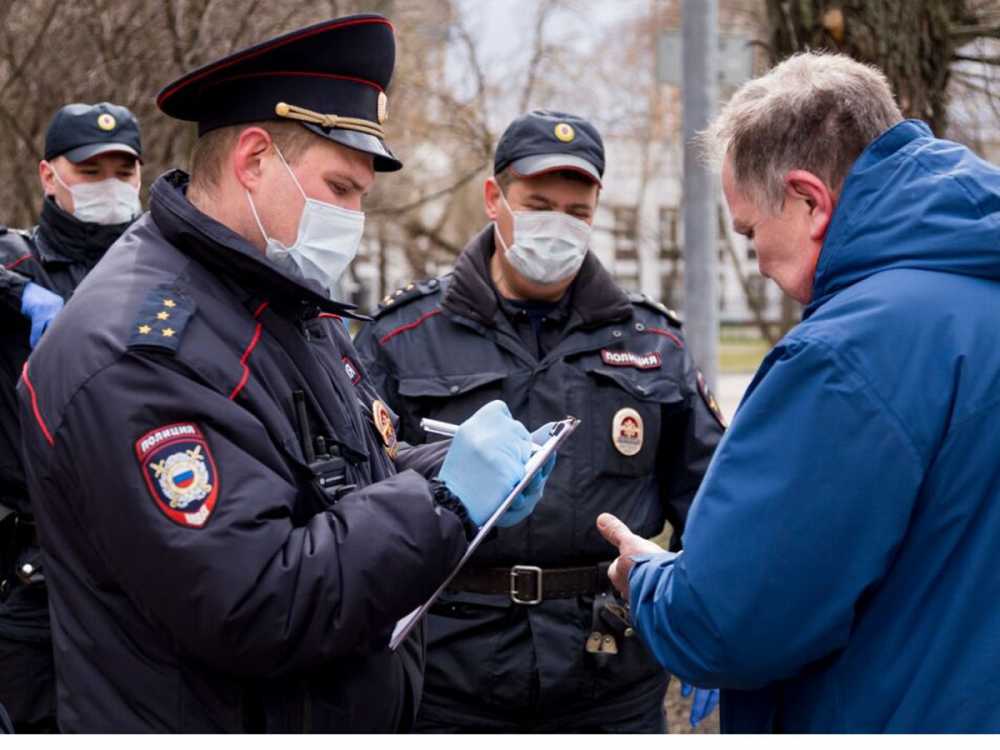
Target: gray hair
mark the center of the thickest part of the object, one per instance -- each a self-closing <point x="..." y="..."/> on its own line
<point x="814" y="111"/>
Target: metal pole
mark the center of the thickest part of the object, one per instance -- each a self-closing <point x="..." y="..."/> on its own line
<point x="699" y="51"/>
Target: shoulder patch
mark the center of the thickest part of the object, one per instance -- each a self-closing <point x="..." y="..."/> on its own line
<point x="710" y="402"/>
<point x="162" y="318"/>
<point x="647" y="302"/>
<point x="413" y="290"/>
<point x="180" y="472"/>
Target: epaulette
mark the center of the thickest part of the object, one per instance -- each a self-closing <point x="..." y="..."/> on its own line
<point x="641" y="299"/>
<point x="162" y="318"/>
<point x="413" y="290"/>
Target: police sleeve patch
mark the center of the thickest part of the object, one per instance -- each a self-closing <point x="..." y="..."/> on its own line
<point x="180" y="472"/>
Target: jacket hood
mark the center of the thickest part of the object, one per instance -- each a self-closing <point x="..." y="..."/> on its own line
<point x="912" y="201"/>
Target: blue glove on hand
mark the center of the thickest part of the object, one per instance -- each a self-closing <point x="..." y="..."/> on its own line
<point x="525" y="503"/>
<point x="486" y="459"/>
<point x="42" y="306"/>
<point x="704" y="702"/>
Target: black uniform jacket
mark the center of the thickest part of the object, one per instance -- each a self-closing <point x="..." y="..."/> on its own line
<point x="445" y="347"/>
<point x="56" y="254"/>
<point x="199" y="579"/>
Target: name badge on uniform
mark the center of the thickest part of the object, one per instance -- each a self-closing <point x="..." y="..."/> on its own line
<point x="627" y="431"/>
<point x="615" y="358"/>
<point x="383" y="423"/>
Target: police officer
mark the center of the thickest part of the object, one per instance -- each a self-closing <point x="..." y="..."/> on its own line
<point x="227" y="541"/>
<point x="532" y="639"/>
<point x="90" y="177"/>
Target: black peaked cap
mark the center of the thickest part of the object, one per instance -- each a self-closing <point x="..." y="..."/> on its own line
<point x="339" y="67"/>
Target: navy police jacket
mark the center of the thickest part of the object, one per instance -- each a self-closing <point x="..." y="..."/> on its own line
<point x="445" y="347"/>
<point x="839" y="571"/>
<point x="200" y="579"/>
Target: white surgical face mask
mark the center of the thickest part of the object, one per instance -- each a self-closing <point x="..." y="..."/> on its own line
<point x="327" y="241"/>
<point x="109" y="201"/>
<point x="548" y="247"/>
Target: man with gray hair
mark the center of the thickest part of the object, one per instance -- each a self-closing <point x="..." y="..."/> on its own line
<point x="839" y="563"/>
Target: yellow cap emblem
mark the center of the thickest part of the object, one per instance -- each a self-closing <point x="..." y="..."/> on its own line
<point x="564" y="132"/>
<point x="106" y="122"/>
<point x="383" y="107"/>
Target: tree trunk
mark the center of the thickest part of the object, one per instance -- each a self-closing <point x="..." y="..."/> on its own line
<point x="912" y="41"/>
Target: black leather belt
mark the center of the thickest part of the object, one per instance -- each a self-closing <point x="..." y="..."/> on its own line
<point x="529" y="584"/>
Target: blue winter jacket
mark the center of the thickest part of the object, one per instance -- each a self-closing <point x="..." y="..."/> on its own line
<point x="841" y="564"/>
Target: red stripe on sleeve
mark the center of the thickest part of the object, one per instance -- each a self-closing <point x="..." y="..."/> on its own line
<point x="34" y="406"/>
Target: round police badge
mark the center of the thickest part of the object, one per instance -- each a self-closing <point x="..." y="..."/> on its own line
<point x="564" y="132"/>
<point x="383" y="423"/>
<point x="627" y="431"/>
<point x="106" y="122"/>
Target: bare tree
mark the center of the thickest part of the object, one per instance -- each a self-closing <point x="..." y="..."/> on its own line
<point x="917" y="43"/>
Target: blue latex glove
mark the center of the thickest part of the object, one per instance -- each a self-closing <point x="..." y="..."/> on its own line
<point x="42" y="306"/>
<point x="486" y="459"/>
<point x="525" y="503"/>
<point x="703" y="704"/>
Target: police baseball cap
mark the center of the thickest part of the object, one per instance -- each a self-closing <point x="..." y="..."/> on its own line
<point x="80" y="131"/>
<point x="546" y="141"/>
<point x="330" y="77"/>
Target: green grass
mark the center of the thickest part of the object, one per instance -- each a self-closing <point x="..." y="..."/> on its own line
<point x="741" y="354"/>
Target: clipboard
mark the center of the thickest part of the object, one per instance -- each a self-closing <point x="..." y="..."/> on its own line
<point x="561" y="430"/>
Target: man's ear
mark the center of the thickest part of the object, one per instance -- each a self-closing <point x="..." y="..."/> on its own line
<point x="46" y="177"/>
<point x="820" y="200"/>
<point x="246" y="158"/>
<point x="491" y="198"/>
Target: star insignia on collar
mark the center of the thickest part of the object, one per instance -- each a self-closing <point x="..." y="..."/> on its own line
<point x="162" y="315"/>
<point x="169" y="303"/>
<point x="145" y="330"/>
<point x="168" y="332"/>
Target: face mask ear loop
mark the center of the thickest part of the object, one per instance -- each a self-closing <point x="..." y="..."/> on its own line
<point x="510" y="211"/>
<point x="290" y="172"/>
<point x="256" y="218"/>
<point x="55" y="173"/>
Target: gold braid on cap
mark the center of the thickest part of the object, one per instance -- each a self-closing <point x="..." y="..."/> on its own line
<point x="292" y="112"/>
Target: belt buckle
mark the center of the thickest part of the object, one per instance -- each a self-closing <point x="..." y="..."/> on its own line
<point x="517" y="570"/>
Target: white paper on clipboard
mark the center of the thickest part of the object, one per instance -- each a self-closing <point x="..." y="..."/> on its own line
<point x="561" y="430"/>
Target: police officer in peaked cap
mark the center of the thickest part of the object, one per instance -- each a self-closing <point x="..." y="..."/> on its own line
<point x="531" y="637"/>
<point x="90" y="177"/>
<point x="231" y="526"/>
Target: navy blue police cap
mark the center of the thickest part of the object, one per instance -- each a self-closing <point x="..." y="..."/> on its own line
<point x="546" y="141"/>
<point x="330" y="77"/>
<point x="81" y="131"/>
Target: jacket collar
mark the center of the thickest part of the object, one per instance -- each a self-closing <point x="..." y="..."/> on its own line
<point x="227" y="254"/>
<point x="593" y="298"/>
<point x="63" y="238"/>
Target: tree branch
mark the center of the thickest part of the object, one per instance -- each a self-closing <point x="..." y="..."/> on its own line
<point x="431" y="197"/>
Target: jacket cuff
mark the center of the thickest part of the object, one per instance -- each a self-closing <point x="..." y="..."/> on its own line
<point x="443" y="498"/>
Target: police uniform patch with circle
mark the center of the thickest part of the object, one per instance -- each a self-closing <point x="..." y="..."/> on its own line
<point x="564" y="132"/>
<point x="106" y="122"/>
<point x="383" y="423"/>
<point x="180" y="472"/>
<point x="627" y="431"/>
